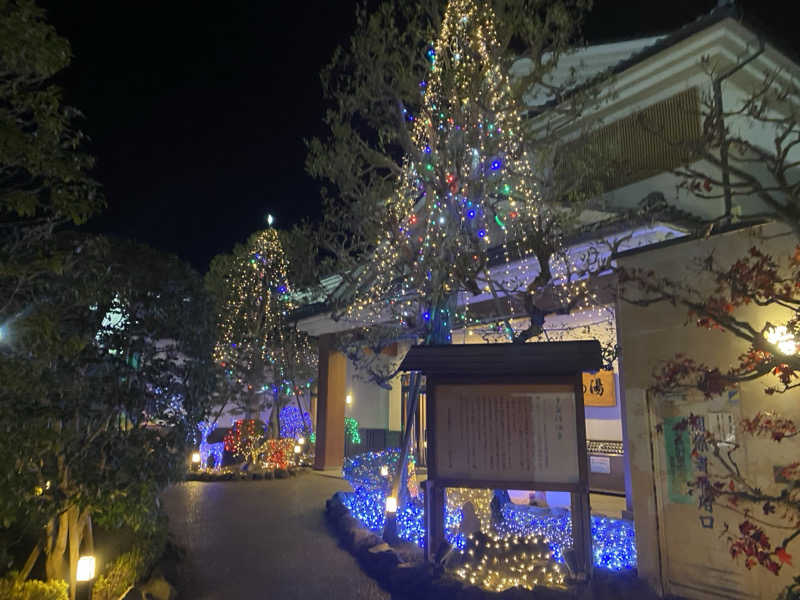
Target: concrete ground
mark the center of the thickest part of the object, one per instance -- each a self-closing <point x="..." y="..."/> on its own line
<point x="262" y="539"/>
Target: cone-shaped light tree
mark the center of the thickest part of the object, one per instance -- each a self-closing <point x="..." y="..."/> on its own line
<point x="466" y="196"/>
<point x="258" y="346"/>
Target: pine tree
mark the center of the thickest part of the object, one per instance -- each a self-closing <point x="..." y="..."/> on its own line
<point x="465" y="192"/>
<point x="258" y="346"/>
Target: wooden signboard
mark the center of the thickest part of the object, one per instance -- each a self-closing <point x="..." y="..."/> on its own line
<point x="507" y="416"/>
<point x="507" y="433"/>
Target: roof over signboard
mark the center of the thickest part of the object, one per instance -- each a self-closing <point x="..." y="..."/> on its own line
<point x="534" y="359"/>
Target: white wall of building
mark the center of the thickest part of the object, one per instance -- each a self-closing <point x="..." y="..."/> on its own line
<point x="671" y="530"/>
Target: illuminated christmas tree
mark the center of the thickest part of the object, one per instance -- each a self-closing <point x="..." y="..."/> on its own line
<point x="258" y="346"/>
<point x="468" y="188"/>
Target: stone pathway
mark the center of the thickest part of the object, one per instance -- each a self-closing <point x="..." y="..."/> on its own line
<point x="262" y="539"/>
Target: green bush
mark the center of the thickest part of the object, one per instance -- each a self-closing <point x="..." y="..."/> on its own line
<point x="32" y="589"/>
<point x="130" y="567"/>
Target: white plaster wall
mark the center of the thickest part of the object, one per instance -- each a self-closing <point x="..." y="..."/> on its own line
<point x="370" y="406"/>
<point x="396" y="405"/>
<point x="648" y="336"/>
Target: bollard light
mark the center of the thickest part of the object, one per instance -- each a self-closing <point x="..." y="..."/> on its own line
<point x="85" y="570"/>
<point x="391" y="504"/>
<point x="384" y="471"/>
<point x="196" y="457"/>
<point x="301" y="440"/>
<point x="297" y="449"/>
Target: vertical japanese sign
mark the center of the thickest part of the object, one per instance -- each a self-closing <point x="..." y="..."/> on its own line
<point x="678" y="450"/>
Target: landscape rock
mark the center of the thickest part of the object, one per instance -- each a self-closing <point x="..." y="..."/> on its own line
<point x="158" y="588"/>
<point x="408" y="579"/>
<point x="363" y="539"/>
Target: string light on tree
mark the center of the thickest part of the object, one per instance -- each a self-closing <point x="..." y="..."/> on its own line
<point x="468" y="187"/>
<point x="256" y="340"/>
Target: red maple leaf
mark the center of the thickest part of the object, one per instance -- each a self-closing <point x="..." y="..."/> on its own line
<point x="783" y="556"/>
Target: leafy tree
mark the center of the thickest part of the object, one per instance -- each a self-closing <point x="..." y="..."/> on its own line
<point x="43" y="172"/>
<point x="44" y="180"/>
<point x="103" y="418"/>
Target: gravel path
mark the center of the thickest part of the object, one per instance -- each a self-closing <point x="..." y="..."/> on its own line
<point x="262" y="539"/>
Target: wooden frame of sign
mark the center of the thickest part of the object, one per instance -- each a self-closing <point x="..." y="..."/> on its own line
<point x="507" y="416"/>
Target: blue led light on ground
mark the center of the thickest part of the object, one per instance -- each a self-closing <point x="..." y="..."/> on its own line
<point x="613" y="540"/>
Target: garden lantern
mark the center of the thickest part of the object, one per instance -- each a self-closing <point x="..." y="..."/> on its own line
<point x="85" y="569"/>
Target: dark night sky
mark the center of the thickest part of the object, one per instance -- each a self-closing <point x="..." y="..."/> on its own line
<point x="197" y="111"/>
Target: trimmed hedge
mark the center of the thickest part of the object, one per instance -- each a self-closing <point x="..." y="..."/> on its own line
<point x="32" y="589"/>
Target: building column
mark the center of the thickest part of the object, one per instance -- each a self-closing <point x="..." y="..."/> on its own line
<point x="331" y="386"/>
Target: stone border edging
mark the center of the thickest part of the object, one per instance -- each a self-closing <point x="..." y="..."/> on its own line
<point x="247" y="476"/>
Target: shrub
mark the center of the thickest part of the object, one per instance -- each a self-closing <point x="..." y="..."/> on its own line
<point x="32" y="589"/>
<point x="130" y="567"/>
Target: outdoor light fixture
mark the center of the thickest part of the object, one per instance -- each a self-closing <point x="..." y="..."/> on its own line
<point x="301" y="440"/>
<point x="297" y="449"/>
<point x="348" y="399"/>
<point x="270" y="220"/>
<point x="391" y="504"/>
<point x="384" y="471"/>
<point x="782" y="338"/>
<point x="85" y="571"/>
<point x="196" y="457"/>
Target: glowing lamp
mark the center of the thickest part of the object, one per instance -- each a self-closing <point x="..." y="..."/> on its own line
<point x="348" y="399"/>
<point x="297" y="449"/>
<point x="301" y="440"/>
<point x="85" y="571"/>
<point x="270" y="220"/>
<point x="384" y="471"/>
<point x="783" y="339"/>
<point x="391" y="504"/>
<point x="196" y="457"/>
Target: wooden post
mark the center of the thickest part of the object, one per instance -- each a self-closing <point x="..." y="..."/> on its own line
<point x="390" y="528"/>
<point x="579" y="505"/>
<point x="434" y="518"/>
<point x="331" y="383"/>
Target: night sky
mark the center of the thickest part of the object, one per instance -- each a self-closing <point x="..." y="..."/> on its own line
<point x="197" y="111"/>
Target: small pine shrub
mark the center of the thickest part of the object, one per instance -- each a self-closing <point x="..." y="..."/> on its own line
<point x="32" y="589"/>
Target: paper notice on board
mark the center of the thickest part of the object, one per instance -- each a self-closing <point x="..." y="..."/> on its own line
<point x="487" y="433"/>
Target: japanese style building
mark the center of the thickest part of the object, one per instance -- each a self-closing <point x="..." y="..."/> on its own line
<point x="663" y="226"/>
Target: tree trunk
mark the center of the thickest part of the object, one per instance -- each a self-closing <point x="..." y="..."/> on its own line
<point x="32" y="558"/>
<point x="88" y="531"/>
<point x="440" y="326"/>
<point x="75" y="530"/>
<point x="274" y="419"/>
<point x="55" y="546"/>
